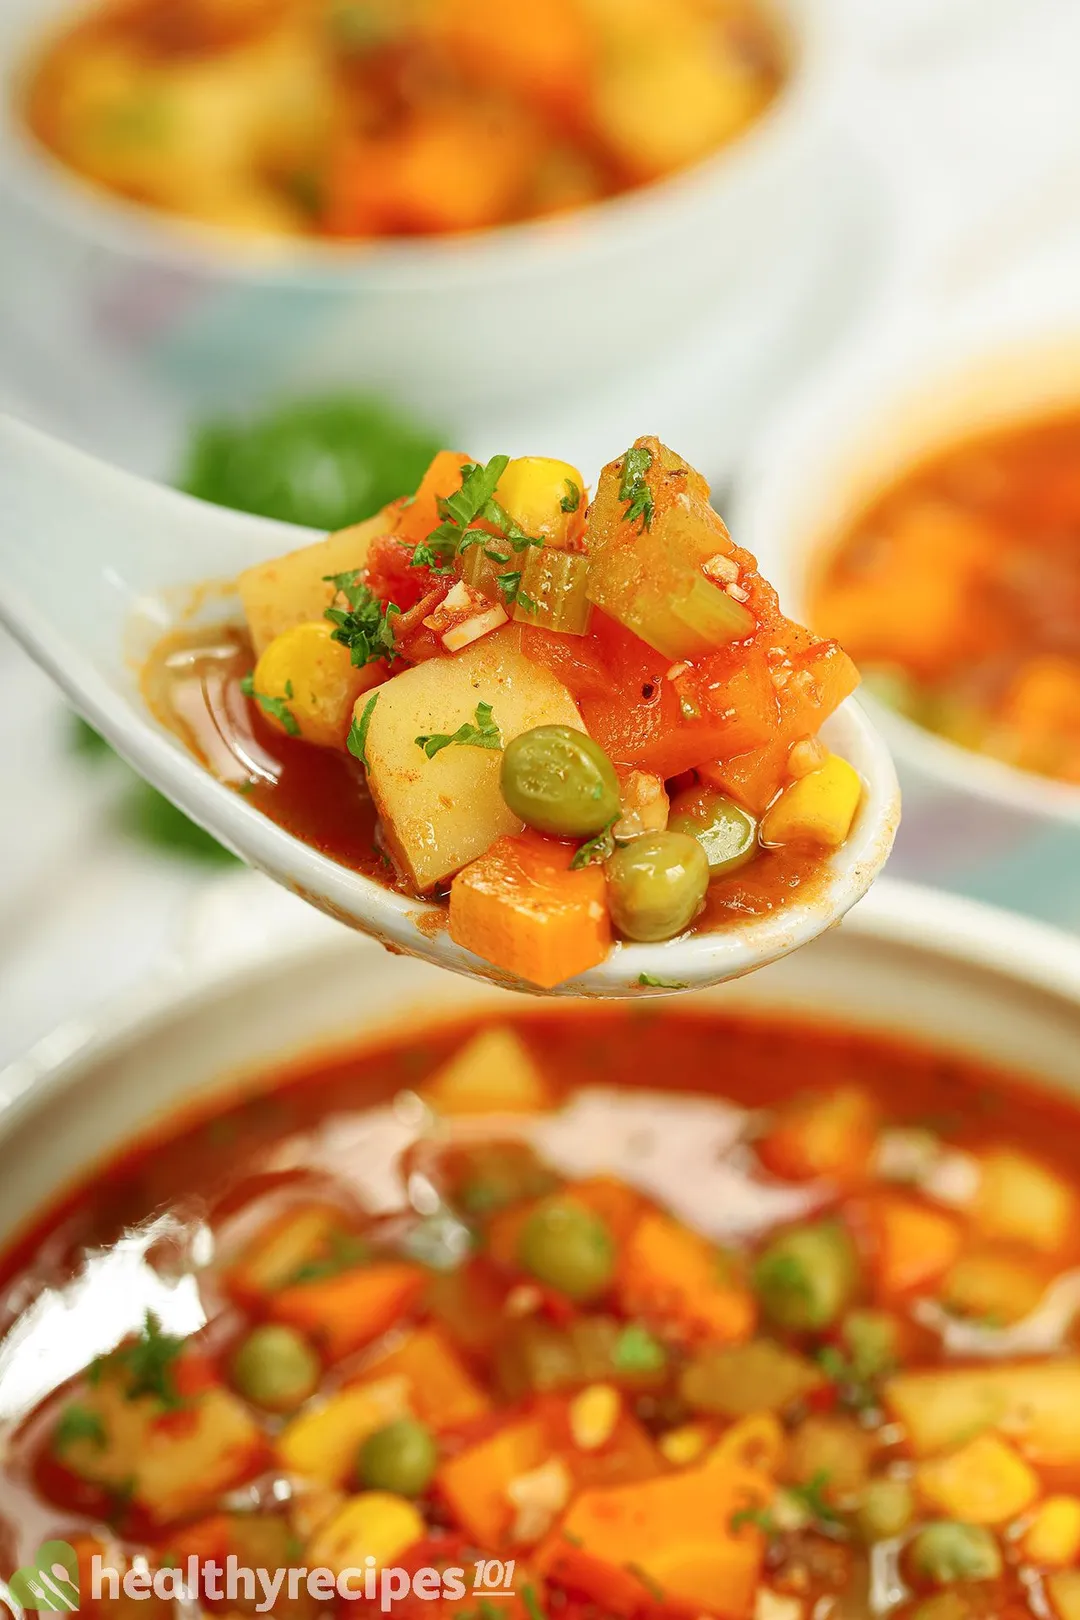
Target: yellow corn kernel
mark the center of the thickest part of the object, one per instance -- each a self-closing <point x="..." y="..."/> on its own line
<point x="374" y="1524"/>
<point x="756" y="1442"/>
<point x="1052" y="1539"/>
<point x="537" y="493"/>
<point x="817" y="809"/>
<point x="593" y="1416"/>
<point x="684" y="1445"/>
<point x="985" y="1482"/>
<point x="311" y="684"/>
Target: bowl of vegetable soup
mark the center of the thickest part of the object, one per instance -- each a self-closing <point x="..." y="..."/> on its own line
<point x="334" y="1269"/>
<point x="930" y="514"/>
<point x="213" y="203"/>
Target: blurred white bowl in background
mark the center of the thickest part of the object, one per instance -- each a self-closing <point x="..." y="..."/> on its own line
<point x="132" y="322"/>
<point x="970" y="821"/>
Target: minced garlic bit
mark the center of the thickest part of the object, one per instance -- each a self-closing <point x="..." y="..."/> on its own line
<point x="539" y="1498"/>
<point x="645" y="806"/>
<point x="593" y="1416"/>
<point x="463" y="616"/>
<point x="737" y="593"/>
<point x="725" y="570"/>
<point x="807" y="755"/>
<point x="464" y="634"/>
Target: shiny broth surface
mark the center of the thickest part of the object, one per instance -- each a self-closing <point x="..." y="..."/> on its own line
<point x="684" y="1315"/>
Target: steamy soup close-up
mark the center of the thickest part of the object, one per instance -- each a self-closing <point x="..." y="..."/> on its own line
<point x="377" y="118"/>
<point x="958" y="593"/>
<point x="569" y="723"/>
<point x="791" y="1339"/>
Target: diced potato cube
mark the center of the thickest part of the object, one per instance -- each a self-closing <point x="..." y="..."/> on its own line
<point x="1036" y="1405"/>
<point x="292" y="590"/>
<point x="985" y="1482"/>
<point x="374" y="1524"/>
<point x="276" y="1254"/>
<point x="438" y="814"/>
<point x="990" y="1284"/>
<point x="1052" y="1539"/>
<point x="315" y="678"/>
<point x="493" y="1074"/>
<point x="817" y="809"/>
<point x="1022" y="1201"/>
<point x="322" y="1443"/>
<point x="175" y="1463"/>
<point x="521" y="907"/>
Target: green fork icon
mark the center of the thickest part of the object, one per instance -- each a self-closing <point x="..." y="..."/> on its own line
<point x="51" y="1583"/>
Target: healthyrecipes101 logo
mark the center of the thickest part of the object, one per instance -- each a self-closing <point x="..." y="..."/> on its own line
<point x="51" y="1582"/>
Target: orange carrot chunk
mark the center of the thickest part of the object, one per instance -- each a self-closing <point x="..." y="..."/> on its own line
<point x="521" y="907"/>
<point x="346" y="1312"/>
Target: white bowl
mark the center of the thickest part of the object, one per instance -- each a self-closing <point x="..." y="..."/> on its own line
<point x="919" y="965"/>
<point x="998" y="832"/>
<point x="131" y="316"/>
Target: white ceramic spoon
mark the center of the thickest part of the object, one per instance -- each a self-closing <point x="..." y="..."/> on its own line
<point x="95" y="565"/>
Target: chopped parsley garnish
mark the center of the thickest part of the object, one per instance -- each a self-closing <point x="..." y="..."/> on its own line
<point x="572" y="499"/>
<point x="600" y="848"/>
<point x="650" y="980"/>
<point x="484" y="734"/>
<point x="635" y="490"/>
<point x="145" y="1366"/>
<point x="345" y="1251"/>
<point x="275" y="706"/>
<point x="636" y="1350"/>
<point x="532" y="1603"/>
<point x="527" y="603"/>
<point x="475" y="500"/>
<point x="811" y="1496"/>
<point x="357" y="738"/>
<point x="366" y="627"/>
<point x="509" y="585"/>
<point x="79" y="1423"/>
<point x="753" y="1515"/>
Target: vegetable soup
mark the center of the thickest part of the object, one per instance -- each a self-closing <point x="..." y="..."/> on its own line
<point x="374" y="118"/>
<point x="570" y="722"/>
<point x="793" y="1338"/>
<point x="958" y="592"/>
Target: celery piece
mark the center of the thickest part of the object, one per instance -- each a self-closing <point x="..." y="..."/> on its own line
<point x="481" y="568"/>
<point x="553" y="591"/>
<point x="682" y="615"/>
<point x="711" y="616"/>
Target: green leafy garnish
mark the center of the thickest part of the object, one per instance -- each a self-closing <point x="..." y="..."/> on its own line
<point x="366" y="627"/>
<point x="635" y="490"/>
<point x="811" y="1496"/>
<point x="272" y="705"/>
<point x="473" y="501"/>
<point x="761" y="1516"/>
<point x="484" y="734"/>
<point x="357" y="738"/>
<point x="527" y="602"/>
<point x="636" y="1350"/>
<point x="532" y="1603"/>
<point x="509" y="584"/>
<point x="598" y="849"/>
<point x="572" y="499"/>
<point x="649" y="979"/>
<point x="324" y="463"/>
<point x="345" y="1251"/>
<point x="79" y="1423"/>
<point x="146" y="1365"/>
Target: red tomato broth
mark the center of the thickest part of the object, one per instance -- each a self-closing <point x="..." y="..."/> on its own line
<point x="958" y="588"/>
<point x="219" y="1160"/>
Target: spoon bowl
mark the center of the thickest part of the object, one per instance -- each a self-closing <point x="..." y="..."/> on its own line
<point x="95" y="565"/>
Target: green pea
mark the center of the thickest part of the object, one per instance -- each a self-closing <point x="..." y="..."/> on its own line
<point x="656" y="885"/>
<point x="886" y="1509"/>
<point x="560" y="782"/>
<point x="946" y="1551"/>
<point x="726" y="832"/>
<point x="568" y="1247"/>
<point x="402" y="1458"/>
<point x="276" y="1368"/>
<point x="806" y="1277"/>
<point x="872" y="1339"/>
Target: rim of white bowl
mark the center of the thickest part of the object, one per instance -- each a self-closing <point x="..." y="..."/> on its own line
<point x="929" y="922"/>
<point x="873" y="389"/>
<point x="526" y="248"/>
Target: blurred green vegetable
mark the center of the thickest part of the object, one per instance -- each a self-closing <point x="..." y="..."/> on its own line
<point x="323" y="463"/>
<point x="143" y="811"/>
